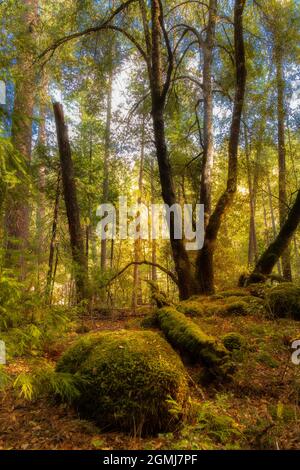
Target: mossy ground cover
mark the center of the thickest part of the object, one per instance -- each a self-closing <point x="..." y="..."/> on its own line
<point x="258" y="409"/>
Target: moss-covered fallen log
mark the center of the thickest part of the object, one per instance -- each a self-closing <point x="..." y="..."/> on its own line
<point x="188" y="337"/>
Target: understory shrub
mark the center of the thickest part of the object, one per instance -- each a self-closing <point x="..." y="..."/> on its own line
<point x="128" y="380"/>
<point x="33" y="336"/>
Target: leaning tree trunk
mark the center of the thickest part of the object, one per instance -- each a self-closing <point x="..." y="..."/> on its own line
<point x="204" y="264"/>
<point x="286" y="259"/>
<point x="274" y="251"/>
<point x="17" y="211"/>
<point x="72" y="208"/>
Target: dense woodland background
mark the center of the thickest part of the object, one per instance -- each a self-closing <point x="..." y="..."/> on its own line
<point x="160" y="101"/>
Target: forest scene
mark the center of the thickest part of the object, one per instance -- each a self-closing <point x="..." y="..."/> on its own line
<point x="149" y="236"/>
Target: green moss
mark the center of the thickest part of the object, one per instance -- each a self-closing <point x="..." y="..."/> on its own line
<point x="233" y="341"/>
<point x="129" y="379"/>
<point x="184" y="334"/>
<point x="150" y="321"/>
<point x="232" y="293"/>
<point x="214" y="308"/>
<point x="238" y="308"/>
<point x="190" y="307"/>
<point x="283" y="301"/>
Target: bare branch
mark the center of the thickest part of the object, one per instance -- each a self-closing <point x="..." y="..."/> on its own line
<point x="185" y="2"/>
<point x="148" y="263"/>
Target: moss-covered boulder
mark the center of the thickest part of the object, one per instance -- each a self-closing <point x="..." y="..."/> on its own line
<point x="129" y="380"/>
<point x="188" y="337"/>
<point x="283" y="301"/>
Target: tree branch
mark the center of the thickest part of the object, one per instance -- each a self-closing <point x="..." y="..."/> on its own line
<point x="52" y="48"/>
<point x="148" y="263"/>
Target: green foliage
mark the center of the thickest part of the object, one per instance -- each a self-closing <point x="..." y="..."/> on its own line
<point x="10" y="295"/>
<point x="129" y="378"/>
<point x="34" y="335"/>
<point x="184" y="334"/>
<point x="210" y="427"/>
<point x="45" y="381"/>
<point x="4" y="378"/>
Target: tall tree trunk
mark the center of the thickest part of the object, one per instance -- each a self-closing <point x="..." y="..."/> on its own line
<point x="186" y="281"/>
<point x="107" y="147"/>
<point x="17" y="211"/>
<point x="137" y="286"/>
<point x="286" y="260"/>
<point x="204" y="266"/>
<point x="72" y="208"/>
<point x="274" y="251"/>
<point x="42" y="143"/>
<point x="207" y="163"/>
<point x="153" y="241"/>
<point x="89" y="228"/>
<point x="53" y="238"/>
<point x="252" y="245"/>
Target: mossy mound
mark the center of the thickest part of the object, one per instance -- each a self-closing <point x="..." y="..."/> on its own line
<point x="188" y="337"/>
<point x="283" y="301"/>
<point x="238" y="308"/>
<point x="230" y="293"/>
<point x="233" y="305"/>
<point x="129" y="379"/>
<point x="233" y="341"/>
<point x="190" y="307"/>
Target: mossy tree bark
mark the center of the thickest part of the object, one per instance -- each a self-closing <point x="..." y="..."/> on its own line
<point x="272" y="254"/>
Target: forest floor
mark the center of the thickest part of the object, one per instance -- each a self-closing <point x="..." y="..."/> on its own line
<point x="258" y="410"/>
